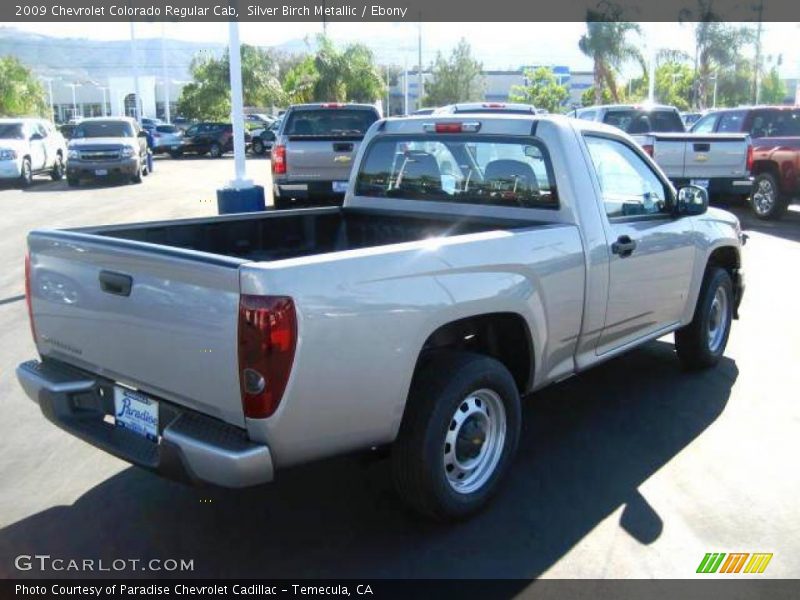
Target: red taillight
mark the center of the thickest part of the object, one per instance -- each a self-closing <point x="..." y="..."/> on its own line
<point x="267" y="340"/>
<point x="494" y="105"/>
<point x="453" y="127"/>
<point x="332" y="105"/>
<point x="648" y="149"/>
<point x="28" y="294"/>
<point x="448" y="128"/>
<point x="749" y="158"/>
<point x="279" y="160"/>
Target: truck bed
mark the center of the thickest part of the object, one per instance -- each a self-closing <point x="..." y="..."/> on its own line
<point x="280" y="235"/>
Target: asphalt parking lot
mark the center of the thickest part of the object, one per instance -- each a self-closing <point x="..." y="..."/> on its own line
<point x="634" y="469"/>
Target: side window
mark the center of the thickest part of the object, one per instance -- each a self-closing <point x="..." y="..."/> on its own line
<point x="587" y="115"/>
<point x="705" y="125"/>
<point x="629" y="186"/>
<point x="41" y="129"/>
<point x="731" y="122"/>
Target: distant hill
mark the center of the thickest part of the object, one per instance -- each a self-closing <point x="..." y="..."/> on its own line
<point x="84" y="59"/>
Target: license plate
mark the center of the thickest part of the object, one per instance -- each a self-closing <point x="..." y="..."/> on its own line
<point x="136" y="412"/>
<point x="703" y="183"/>
<point x="339" y="187"/>
<point x="101" y="172"/>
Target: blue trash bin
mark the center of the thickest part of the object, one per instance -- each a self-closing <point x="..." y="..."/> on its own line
<point x="230" y="200"/>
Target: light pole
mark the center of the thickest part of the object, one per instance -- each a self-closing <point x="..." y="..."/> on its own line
<point x="104" y="89"/>
<point x="714" y="102"/>
<point x="74" y="99"/>
<point x="136" y="105"/>
<point x="164" y="73"/>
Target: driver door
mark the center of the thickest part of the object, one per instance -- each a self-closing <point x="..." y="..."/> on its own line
<point x="651" y="252"/>
<point x="38" y="149"/>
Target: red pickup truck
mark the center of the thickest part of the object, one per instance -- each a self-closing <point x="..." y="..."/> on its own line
<point x="775" y="131"/>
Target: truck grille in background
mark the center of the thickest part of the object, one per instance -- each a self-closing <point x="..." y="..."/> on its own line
<point x="100" y="155"/>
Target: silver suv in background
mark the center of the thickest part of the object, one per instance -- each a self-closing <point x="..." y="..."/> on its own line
<point x="107" y="147"/>
<point x="314" y="150"/>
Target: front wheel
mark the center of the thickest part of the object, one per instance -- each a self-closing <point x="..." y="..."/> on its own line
<point x="458" y="436"/>
<point x="137" y="176"/>
<point x="702" y="342"/>
<point x="57" y="174"/>
<point x="215" y="150"/>
<point x="767" y="200"/>
<point x="26" y="174"/>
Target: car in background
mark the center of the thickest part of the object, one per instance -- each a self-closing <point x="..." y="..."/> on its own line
<point x="150" y="123"/>
<point x="106" y="148"/>
<point x="775" y="132"/>
<point x="29" y="147"/>
<point x="690" y="118"/>
<point x="314" y="152"/>
<point x="166" y="138"/>
<point x="423" y="111"/>
<point x="212" y="138"/>
<point x="258" y="120"/>
<point x="509" y="108"/>
<point x="634" y="119"/>
<point x="262" y="140"/>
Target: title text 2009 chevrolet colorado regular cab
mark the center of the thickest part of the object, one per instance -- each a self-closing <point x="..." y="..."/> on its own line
<point x="477" y="258"/>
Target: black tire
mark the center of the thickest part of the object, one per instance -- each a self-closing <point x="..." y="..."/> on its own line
<point x="767" y="200"/>
<point x="57" y="174"/>
<point x="73" y="181"/>
<point x="176" y="153"/>
<point x="694" y="343"/>
<point x="26" y="173"/>
<point x="137" y="177"/>
<point x="258" y="147"/>
<point x="215" y="150"/>
<point x="442" y="385"/>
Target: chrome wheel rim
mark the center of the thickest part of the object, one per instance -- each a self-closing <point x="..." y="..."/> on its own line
<point x="718" y="320"/>
<point x="474" y="441"/>
<point x="764" y="197"/>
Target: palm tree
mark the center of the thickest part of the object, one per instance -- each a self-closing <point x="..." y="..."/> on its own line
<point x="606" y="43"/>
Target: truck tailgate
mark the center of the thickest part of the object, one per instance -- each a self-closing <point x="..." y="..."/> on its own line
<point x="702" y="156"/>
<point x="158" y="320"/>
<point x="326" y="160"/>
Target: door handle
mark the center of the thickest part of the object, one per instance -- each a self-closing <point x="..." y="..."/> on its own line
<point x="624" y="246"/>
<point x="118" y="284"/>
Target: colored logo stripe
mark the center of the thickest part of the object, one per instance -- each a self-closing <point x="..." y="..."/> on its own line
<point x="758" y="563"/>
<point x="734" y="562"/>
<point x="711" y="562"/>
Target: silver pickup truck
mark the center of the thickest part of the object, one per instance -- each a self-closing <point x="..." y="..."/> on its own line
<point x="720" y="163"/>
<point x="476" y="259"/>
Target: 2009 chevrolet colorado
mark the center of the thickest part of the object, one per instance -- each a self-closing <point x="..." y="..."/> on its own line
<point x="477" y="258"/>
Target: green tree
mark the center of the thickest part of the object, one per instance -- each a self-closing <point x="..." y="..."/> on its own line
<point x="334" y="75"/>
<point x="773" y="89"/>
<point x="673" y="85"/>
<point x="21" y="94"/>
<point x="208" y="95"/>
<point x="542" y="90"/>
<point x="606" y="43"/>
<point x="457" y="79"/>
<point x="589" y="96"/>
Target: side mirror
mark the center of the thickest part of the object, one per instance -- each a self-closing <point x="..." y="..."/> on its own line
<point x="36" y="137"/>
<point x="692" y="200"/>
<point x="143" y="134"/>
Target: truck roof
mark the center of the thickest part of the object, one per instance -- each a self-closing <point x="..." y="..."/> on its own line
<point x="317" y="105"/>
<point x="641" y="106"/>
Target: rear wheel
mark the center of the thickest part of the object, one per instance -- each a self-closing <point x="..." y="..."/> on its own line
<point x="73" y="181"/>
<point x="767" y="200"/>
<point x="175" y="153"/>
<point x="258" y="147"/>
<point x="458" y="436"/>
<point x="57" y="174"/>
<point x="702" y="342"/>
<point x="215" y="150"/>
<point x="26" y="173"/>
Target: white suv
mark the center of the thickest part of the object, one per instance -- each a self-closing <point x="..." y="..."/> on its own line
<point x="28" y="147"/>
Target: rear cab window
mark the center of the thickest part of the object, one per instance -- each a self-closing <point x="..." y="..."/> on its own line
<point x="473" y="169"/>
<point x="638" y="121"/>
<point x="329" y="122"/>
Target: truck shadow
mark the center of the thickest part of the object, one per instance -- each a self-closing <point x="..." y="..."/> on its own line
<point x="587" y="445"/>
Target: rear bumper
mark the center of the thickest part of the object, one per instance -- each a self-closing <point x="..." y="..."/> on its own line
<point x="722" y="186"/>
<point x="191" y="446"/>
<point x="297" y="191"/>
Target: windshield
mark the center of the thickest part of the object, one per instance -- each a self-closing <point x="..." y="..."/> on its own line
<point x="645" y="121"/>
<point x="458" y="168"/>
<point x="98" y="129"/>
<point x="330" y="122"/>
<point x="11" y="131"/>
